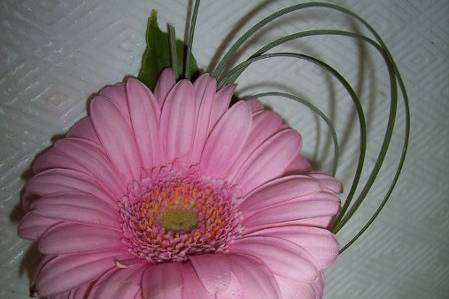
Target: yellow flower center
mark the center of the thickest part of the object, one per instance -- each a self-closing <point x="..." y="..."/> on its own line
<point x="179" y="219"/>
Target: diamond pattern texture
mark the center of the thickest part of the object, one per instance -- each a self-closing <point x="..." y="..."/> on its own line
<point x="54" y="54"/>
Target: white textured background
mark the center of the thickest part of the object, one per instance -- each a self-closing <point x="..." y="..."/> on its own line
<point x="55" y="53"/>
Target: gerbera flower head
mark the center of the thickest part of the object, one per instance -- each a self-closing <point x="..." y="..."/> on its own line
<point x="176" y="194"/>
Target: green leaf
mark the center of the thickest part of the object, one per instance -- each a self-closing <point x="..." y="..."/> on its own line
<point x="157" y="54"/>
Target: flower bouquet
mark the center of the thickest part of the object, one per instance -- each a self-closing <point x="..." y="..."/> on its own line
<point x="173" y="187"/>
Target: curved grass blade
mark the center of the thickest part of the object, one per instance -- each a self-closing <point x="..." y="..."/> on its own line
<point x="189" y="41"/>
<point x="220" y="67"/>
<point x="343" y="217"/>
<point x="399" y="168"/>
<point x="173" y="54"/>
<point x="233" y="74"/>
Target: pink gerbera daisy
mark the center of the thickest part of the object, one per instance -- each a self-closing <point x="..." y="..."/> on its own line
<point x="174" y="194"/>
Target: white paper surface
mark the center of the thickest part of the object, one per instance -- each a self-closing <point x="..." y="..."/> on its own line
<point x="54" y="54"/>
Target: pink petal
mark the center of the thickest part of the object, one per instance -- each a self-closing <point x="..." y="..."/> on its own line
<point x="282" y="257"/>
<point x="321" y="244"/>
<point x="217" y="278"/>
<point x="139" y="296"/>
<point x="63" y="180"/>
<point x="65" y="295"/>
<point x="328" y="182"/>
<point x="78" y="238"/>
<point x="309" y="206"/>
<point x="116" y="94"/>
<point x="299" y="165"/>
<point x="193" y="289"/>
<point x="43" y="261"/>
<point x="255" y="105"/>
<point x="226" y="141"/>
<point x="81" y="292"/>
<point x="116" y="137"/>
<point x="84" y="156"/>
<point x="221" y="104"/>
<point x="76" y="207"/>
<point x="165" y="83"/>
<point x="279" y="191"/>
<point x="121" y="283"/>
<point x="69" y="271"/>
<point x="321" y="222"/>
<point x="85" y="130"/>
<point x="205" y="88"/>
<point x="178" y="122"/>
<point x="235" y="289"/>
<point x="144" y="111"/>
<point x="269" y="160"/>
<point x="293" y="289"/>
<point x="254" y="277"/>
<point x="265" y="125"/>
<point x="163" y="281"/>
<point x="33" y="225"/>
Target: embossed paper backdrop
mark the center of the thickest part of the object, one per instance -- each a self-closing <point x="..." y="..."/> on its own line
<point x="54" y="54"/>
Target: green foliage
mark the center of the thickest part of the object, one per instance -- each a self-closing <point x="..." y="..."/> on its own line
<point x="158" y="56"/>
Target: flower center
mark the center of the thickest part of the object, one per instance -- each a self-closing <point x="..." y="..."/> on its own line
<point x="173" y="215"/>
<point x="179" y="219"/>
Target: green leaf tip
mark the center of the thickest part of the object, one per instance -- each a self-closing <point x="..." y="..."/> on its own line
<point x="158" y="55"/>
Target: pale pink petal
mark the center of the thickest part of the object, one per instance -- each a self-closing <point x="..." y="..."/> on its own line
<point x="43" y="261"/>
<point x="192" y="287"/>
<point x="65" y="295"/>
<point x="120" y="283"/>
<point x="321" y="244"/>
<point x="235" y="289"/>
<point x="76" y="207"/>
<point x="217" y="278"/>
<point x="78" y="238"/>
<point x="144" y="111"/>
<point x="116" y="137"/>
<point x="226" y="141"/>
<point x="165" y="83"/>
<point x="299" y="165"/>
<point x="163" y="281"/>
<point x="328" y="182"/>
<point x="33" y="225"/>
<point x="129" y="261"/>
<point x="279" y="191"/>
<point x="81" y="292"/>
<point x="117" y="95"/>
<point x="68" y="271"/>
<point x="255" y="105"/>
<point x="309" y="206"/>
<point x="63" y="180"/>
<point x="321" y="222"/>
<point x="205" y="88"/>
<point x="255" y="279"/>
<point x="265" y="125"/>
<point x="269" y="160"/>
<point x="293" y="289"/>
<point x="282" y="257"/>
<point x="178" y="122"/>
<point x="84" y="129"/>
<point x="84" y="156"/>
<point x="222" y="100"/>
